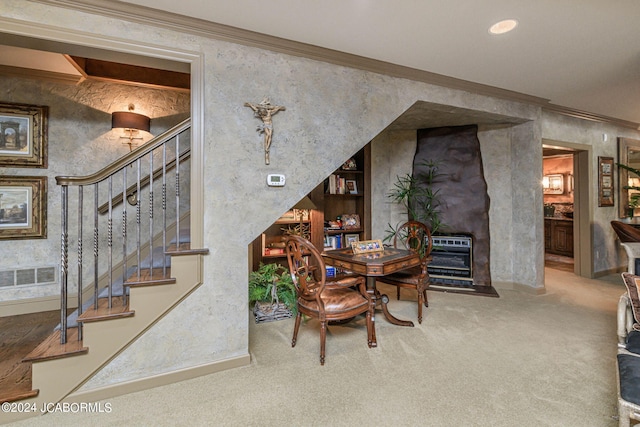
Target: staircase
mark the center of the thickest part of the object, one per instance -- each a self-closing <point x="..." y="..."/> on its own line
<point x="137" y="277"/>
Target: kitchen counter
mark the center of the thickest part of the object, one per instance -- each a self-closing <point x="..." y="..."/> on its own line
<point x="558" y="218"/>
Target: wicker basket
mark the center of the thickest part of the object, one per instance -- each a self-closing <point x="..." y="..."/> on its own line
<point x="270" y="311"/>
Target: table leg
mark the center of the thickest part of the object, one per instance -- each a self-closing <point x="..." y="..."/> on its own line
<point x="384" y="300"/>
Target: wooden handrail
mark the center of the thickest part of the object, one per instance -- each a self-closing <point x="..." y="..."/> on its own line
<point x="125" y="160"/>
<point x="104" y="208"/>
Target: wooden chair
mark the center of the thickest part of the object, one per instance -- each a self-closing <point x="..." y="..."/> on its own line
<point x="414" y="236"/>
<point x="626" y="233"/>
<point x="325" y="300"/>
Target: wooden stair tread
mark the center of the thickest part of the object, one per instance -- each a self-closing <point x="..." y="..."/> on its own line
<point x="151" y="277"/>
<point x="16" y="383"/>
<point x="185" y="249"/>
<point x="15" y="395"/>
<point x="51" y="348"/>
<point x="21" y="334"/>
<point x="103" y="312"/>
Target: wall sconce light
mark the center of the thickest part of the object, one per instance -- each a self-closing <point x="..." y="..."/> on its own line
<point x="131" y="123"/>
<point x="545" y="182"/>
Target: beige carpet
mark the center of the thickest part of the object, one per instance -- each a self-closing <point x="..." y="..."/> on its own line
<point x="517" y="360"/>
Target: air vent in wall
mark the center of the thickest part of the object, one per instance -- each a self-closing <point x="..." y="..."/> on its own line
<point x="28" y="276"/>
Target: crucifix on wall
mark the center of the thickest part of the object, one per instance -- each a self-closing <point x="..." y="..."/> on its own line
<point x="265" y="111"/>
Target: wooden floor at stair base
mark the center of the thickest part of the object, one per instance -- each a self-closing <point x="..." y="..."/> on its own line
<point x="19" y="335"/>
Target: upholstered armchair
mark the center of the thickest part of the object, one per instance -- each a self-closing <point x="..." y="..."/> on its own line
<point x="337" y="300"/>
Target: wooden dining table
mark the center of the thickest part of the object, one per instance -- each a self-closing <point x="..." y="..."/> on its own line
<point x="373" y="265"/>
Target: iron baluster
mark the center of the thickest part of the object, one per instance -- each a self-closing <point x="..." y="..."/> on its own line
<point x="110" y="242"/>
<point x="80" y="308"/>
<point x="64" y="279"/>
<point x="178" y="190"/>
<point x="138" y="218"/>
<point x="96" y="249"/>
<point x="124" y="234"/>
<point x="164" y="209"/>
<point x="151" y="213"/>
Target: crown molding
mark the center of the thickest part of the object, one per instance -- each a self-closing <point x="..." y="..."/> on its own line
<point x="50" y="76"/>
<point x="584" y="115"/>
<point x="196" y="26"/>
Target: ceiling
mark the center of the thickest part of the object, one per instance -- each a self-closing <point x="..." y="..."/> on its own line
<point x="580" y="54"/>
<point x="577" y="54"/>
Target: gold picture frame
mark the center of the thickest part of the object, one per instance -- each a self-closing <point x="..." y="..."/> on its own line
<point x="23" y="135"/>
<point x="605" y="181"/>
<point x="350" y="221"/>
<point x="23" y="207"/>
<point x="366" y="246"/>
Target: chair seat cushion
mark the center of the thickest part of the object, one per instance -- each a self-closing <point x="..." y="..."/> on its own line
<point x="629" y="372"/>
<point x="633" y="342"/>
<point x="337" y="300"/>
<point x="411" y="276"/>
<point x="631" y="283"/>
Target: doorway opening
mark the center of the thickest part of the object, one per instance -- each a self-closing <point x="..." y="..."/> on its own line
<point x="566" y="207"/>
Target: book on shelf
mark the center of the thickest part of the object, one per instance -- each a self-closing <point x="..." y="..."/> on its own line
<point x="337" y="184"/>
<point x="333" y="242"/>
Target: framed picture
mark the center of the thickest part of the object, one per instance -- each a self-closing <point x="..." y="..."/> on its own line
<point x="23" y="207"/>
<point x="352" y="186"/>
<point x="350" y="221"/>
<point x="23" y="135"/>
<point x="366" y="246"/>
<point x="351" y="238"/>
<point x="553" y="184"/>
<point x="605" y="181"/>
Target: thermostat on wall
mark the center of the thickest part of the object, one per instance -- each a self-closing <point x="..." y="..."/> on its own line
<point x="275" y="180"/>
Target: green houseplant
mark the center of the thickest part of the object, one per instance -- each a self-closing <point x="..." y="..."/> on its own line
<point x="634" y="199"/>
<point x="419" y="197"/>
<point x="272" y="283"/>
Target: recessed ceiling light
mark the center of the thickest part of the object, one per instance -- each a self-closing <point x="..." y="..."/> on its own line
<point x="503" y="26"/>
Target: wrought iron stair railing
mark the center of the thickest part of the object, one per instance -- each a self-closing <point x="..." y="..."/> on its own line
<point x="118" y="255"/>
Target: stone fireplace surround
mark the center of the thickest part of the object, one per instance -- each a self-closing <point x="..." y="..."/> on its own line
<point x="464" y="201"/>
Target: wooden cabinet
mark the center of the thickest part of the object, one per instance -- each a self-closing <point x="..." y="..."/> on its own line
<point x="347" y="202"/>
<point x="558" y="236"/>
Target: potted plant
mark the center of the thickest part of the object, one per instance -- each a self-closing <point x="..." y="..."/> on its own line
<point x="419" y="197"/>
<point x="634" y="199"/>
<point x="272" y="292"/>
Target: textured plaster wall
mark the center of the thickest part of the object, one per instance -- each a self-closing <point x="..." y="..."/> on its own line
<point x="608" y="256"/>
<point x="495" y="145"/>
<point x="392" y="155"/>
<point x="331" y="112"/>
<point x="80" y="142"/>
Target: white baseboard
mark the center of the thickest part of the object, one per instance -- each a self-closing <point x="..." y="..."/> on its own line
<point x="35" y="305"/>
<point x="120" y="389"/>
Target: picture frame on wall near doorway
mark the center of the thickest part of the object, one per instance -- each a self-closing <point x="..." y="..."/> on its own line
<point x="605" y="181"/>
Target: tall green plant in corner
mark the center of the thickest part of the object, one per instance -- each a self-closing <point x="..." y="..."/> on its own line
<point x="418" y="195"/>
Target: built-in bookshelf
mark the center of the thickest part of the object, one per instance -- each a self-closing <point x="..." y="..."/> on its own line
<point x="347" y="202"/>
<point x="347" y="198"/>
